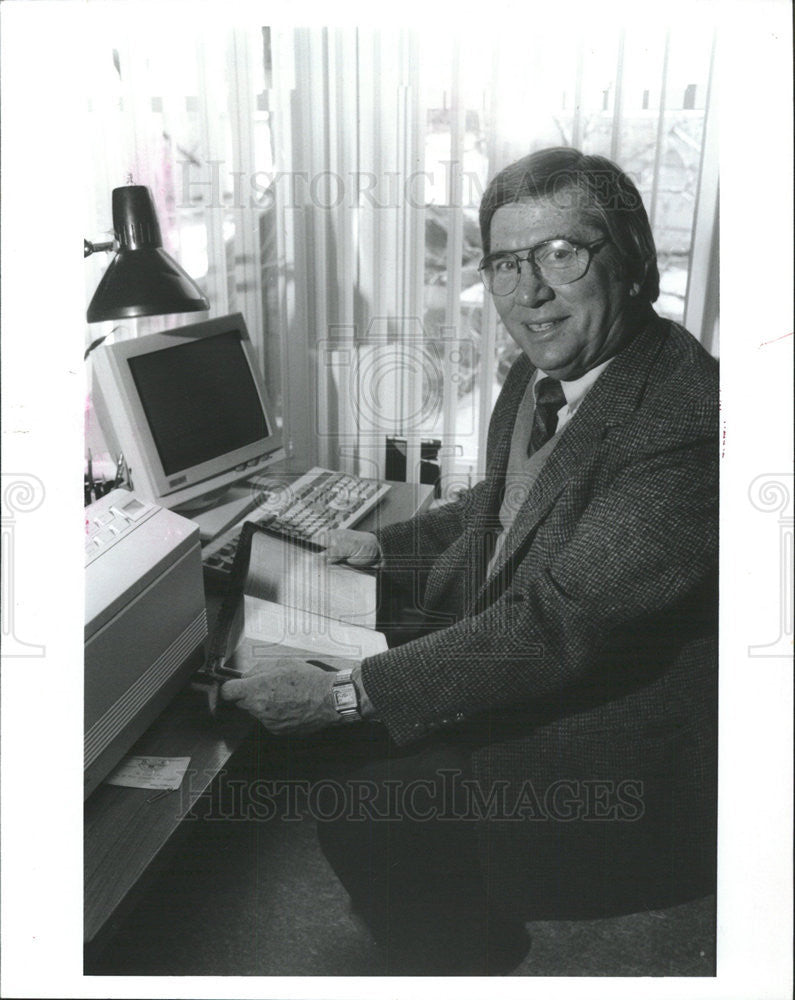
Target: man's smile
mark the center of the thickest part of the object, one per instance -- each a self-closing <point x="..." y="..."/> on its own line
<point x="545" y="326"/>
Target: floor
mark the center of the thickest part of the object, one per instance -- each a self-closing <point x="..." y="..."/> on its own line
<point x="256" y="897"/>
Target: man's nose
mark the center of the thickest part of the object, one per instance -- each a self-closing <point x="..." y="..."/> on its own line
<point x="532" y="290"/>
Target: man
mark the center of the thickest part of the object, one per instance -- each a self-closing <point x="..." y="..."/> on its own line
<point x="554" y="716"/>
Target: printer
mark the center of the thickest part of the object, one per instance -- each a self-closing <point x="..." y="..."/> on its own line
<point x="145" y="621"/>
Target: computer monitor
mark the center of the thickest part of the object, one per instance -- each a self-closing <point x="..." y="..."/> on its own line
<point x="188" y="409"/>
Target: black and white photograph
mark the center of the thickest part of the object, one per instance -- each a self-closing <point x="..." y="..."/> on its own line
<point x="424" y="609"/>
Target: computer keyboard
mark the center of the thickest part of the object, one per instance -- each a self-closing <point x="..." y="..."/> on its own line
<point x="318" y="500"/>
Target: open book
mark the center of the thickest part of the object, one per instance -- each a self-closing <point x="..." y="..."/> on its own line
<point x="284" y="599"/>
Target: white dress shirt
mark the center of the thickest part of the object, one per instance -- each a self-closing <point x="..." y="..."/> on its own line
<point x="573" y="391"/>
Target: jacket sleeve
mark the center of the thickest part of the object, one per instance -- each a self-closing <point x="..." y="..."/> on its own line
<point x="411" y="548"/>
<point x="639" y="548"/>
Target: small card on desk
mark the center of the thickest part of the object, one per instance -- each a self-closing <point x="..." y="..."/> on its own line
<point x="150" y="772"/>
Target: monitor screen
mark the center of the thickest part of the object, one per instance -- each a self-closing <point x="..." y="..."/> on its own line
<point x="200" y="400"/>
<point x="188" y="409"/>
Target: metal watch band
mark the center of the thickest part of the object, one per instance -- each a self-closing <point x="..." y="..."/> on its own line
<point x="345" y="696"/>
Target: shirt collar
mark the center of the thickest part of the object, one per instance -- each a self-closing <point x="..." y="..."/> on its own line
<point x="575" y="390"/>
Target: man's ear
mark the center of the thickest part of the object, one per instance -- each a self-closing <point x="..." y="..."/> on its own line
<point x="636" y="286"/>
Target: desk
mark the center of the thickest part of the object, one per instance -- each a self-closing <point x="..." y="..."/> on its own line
<point x="126" y="830"/>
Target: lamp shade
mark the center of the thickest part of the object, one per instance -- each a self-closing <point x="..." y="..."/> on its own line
<point x="142" y="279"/>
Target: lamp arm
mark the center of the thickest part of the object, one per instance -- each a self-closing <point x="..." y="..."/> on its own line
<point x="89" y="248"/>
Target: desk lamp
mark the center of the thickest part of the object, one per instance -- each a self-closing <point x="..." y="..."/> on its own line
<point x="142" y="280"/>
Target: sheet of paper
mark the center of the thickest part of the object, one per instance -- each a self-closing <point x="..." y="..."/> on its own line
<point x="298" y="577"/>
<point x="268" y="623"/>
<point x="150" y="772"/>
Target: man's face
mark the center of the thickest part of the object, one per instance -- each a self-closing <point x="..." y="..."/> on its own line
<point x="568" y="329"/>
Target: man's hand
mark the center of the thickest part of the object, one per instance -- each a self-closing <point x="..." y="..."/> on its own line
<point x="291" y="696"/>
<point x="357" y="548"/>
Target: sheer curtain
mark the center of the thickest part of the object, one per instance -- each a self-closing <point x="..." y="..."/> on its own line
<point x="394" y="135"/>
<point x="325" y="182"/>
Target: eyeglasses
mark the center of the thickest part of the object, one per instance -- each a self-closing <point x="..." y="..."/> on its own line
<point x="555" y="262"/>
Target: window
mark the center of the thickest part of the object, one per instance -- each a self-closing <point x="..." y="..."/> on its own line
<point x="186" y="113"/>
<point x="326" y="183"/>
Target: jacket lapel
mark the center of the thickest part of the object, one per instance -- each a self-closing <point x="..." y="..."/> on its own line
<point x="613" y="398"/>
<point x="484" y="516"/>
<point x="475" y="545"/>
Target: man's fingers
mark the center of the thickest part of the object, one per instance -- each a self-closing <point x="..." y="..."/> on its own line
<point x="359" y="548"/>
<point x="233" y="690"/>
<point x="361" y="557"/>
<point x="333" y="553"/>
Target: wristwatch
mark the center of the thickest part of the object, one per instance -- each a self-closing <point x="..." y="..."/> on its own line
<point x="345" y="697"/>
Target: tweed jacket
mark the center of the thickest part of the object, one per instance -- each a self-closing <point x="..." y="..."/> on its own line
<point x="590" y="650"/>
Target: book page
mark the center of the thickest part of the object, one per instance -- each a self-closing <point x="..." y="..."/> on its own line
<point x="295" y="576"/>
<point x="268" y="624"/>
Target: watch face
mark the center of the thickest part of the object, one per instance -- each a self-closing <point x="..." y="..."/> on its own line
<point x="344" y="697"/>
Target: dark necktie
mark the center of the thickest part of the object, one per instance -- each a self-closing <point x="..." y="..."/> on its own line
<point x="549" y="399"/>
